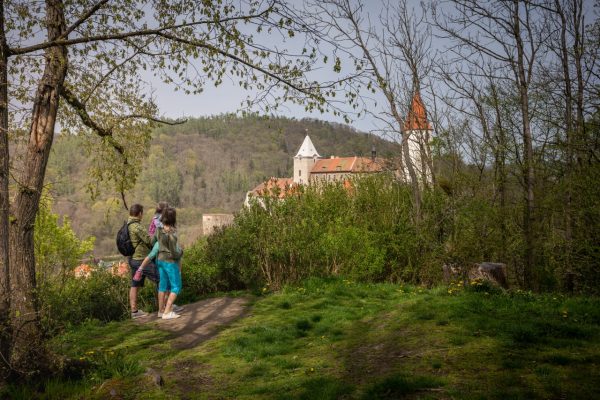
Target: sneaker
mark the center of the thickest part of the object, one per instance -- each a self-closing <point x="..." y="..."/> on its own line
<point x="170" y="315"/>
<point x="137" y="314"/>
<point x="177" y="308"/>
<point x="160" y="315"/>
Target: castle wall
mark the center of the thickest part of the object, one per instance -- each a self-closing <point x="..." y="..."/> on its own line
<point x="210" y="222"/>
<point x="302" y="168"/>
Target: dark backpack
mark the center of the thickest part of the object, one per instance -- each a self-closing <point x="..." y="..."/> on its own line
<point x="124" y="241"/>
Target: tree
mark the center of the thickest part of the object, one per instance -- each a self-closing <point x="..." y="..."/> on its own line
<point x="395" y="58"/>
<point x="87" y="55"/>
<point x="506" y="34"/>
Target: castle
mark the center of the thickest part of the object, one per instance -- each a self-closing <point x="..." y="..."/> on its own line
<point x="310" y="168"/>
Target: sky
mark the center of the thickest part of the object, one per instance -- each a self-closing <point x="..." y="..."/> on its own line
<point x="227" y="97"/>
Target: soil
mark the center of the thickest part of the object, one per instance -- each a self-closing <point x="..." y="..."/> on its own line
<point x="199" y="321"/>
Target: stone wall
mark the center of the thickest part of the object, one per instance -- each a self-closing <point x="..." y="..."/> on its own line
<point x="212" y="221"/>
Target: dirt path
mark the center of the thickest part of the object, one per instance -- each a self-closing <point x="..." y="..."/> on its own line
<point x="200" y="321"/>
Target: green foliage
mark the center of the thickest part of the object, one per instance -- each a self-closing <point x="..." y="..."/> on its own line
<point x="204" y="165"/>
<point x="57" y="248"/>
<point x="365" y="233"/>
<point x="102" y="296"/>
<point x="162" y="178"/>
<point x="199" y="276"/>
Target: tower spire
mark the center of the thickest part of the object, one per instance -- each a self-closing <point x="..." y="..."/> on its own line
<point x="417" y="116"/>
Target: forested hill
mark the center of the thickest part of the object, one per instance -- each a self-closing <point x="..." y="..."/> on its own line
<point x="204" y="165"/>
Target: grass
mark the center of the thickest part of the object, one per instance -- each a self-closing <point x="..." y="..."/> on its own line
<point x="330" y="339"/>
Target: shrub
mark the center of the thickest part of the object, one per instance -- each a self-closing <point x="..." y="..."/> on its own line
<point x="102" y="296"/>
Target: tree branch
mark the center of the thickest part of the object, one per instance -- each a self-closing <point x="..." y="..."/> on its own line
<point x="83" y="18"/>
<point x="124" y="35"/>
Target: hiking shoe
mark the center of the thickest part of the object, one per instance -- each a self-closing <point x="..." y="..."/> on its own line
<point x="170" y="315"/>
<point x="177" y="308"/>
<point x="137" y="314"/>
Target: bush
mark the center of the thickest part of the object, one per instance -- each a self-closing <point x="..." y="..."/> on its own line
<point x="366" y="233"/>
<point x="199" y="276"/>
<point x="102" y="296"/>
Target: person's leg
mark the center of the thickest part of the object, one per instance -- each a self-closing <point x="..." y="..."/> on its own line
<point x="135" y="285"/>
<point x="175" y="281"/>
<point x="170" y="301"/>
<point x="161" y="303"/>
<point x="163" y="285"/>
<point x="133" y="292"/>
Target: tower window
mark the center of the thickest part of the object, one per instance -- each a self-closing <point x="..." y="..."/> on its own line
<point x="299" y="172"/>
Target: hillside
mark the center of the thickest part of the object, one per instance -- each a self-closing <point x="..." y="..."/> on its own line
<point x="205" y="165"/>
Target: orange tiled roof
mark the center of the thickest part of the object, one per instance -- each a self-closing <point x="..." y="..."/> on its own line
<point x="417" y="116"/>
<point x="279" y="186"/>
<point x="346" y="164"/>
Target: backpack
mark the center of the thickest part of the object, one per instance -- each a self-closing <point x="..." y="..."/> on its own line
<point x="124" y="241"/>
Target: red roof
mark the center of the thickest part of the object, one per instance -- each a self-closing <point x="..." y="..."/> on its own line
<point x="279" y="187"/>
<point x="346" y="164"/>
<point x="417" y="116"/>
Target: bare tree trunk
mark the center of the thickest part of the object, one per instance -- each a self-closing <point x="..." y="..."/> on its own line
<point x="578" y="45"/>
<point x="528" y="167"/>
<point x="4" y="203"/>
<point x="27" y="336"/>
<point x="564" y="58"/>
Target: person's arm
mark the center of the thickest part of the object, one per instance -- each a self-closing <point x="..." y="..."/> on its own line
<point x="150" y="256"/>
<point x="154" y="252"/>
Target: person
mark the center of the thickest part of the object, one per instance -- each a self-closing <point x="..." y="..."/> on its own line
<point x="142" y="244"/>
<point x="156" y="223"/>
<point x="168" y="253"/>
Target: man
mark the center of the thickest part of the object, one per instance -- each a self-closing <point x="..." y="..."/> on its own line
<point x="142" y="244"/>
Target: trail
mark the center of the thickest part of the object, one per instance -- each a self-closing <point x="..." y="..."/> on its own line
<point x="199" y="321"/>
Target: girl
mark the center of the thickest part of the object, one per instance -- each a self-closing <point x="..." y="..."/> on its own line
<point x="156" y="222"/>
<point x="169" y="255"/>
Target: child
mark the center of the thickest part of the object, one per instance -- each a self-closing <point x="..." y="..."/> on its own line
<point x="156" y="222"/>
<point x="168" y="262"/>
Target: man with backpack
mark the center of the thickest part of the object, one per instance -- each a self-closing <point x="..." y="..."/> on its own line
<point x="141" y="243"/>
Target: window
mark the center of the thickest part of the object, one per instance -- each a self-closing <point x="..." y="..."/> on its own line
<point x="299" y="172"/>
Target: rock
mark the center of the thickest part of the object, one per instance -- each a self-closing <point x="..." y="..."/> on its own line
<point x="154" y="376"/>
<point x="451" y="272"/>
<point x="493" y="272"/>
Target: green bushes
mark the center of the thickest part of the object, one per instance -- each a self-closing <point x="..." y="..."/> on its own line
<point x="371" y="232"/>
<point x="365" y="232"/>
<point x="101" y="296"/>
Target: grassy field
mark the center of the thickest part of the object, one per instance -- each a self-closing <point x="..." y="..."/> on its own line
<point x="339" y="339"/>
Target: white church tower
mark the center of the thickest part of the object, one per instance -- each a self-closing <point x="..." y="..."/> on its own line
<point x="418" y="130"/>
<point x="304" y="161"/>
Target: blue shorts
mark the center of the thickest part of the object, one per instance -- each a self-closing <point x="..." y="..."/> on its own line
<point x="170" y="277"/>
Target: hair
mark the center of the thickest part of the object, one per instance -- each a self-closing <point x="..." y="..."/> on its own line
<point x="136" y="209"/>
<point x="169" y="216"/>
<point x="163" y="205"/>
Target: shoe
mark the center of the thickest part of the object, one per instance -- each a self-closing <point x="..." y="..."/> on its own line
<point x="170" y="315"/>
<point x="177" y="308"/>
<point x="160" y="315"/>
<point x="138" y="314"/>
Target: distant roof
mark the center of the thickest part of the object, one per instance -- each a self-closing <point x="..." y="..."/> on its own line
<point x="307" y="149"/>
<point x="346" y="164"/>
<point x="417" y="116"/>
<point x="279" y="187"/>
